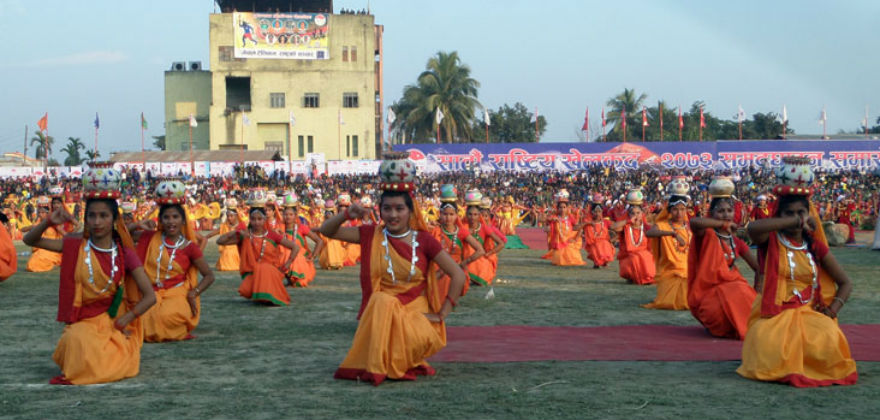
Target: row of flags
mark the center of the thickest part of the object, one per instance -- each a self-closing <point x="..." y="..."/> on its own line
<point x="43" y="123"/>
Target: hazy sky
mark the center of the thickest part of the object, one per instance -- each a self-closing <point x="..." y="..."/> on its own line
<point x="73" y="59"/>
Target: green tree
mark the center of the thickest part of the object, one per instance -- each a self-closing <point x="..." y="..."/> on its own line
<point x="632" y="104"/>
<point x="40" y="141"/>
<point x="159" y="142"/>
<point x="510" y="124"/>
<point x="92" y="155"/>
<point x="445" y="85"/>
<point x="72" y="148"/>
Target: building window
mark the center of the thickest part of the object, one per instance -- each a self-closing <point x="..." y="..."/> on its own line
<point x="354" y="53"/>
<point x="354" y="146"/>
<point x="225" y="53"/>
<point x="350" y="100"/>
<point x="238" y="93"/>
<point x="347" y="145"/>
<point x="344" y="53"/>
<point x="276" y="100"/>
<point x="301" y="148"/>
<point x="311" y="100"/>
<point x="275" y="146"/>
<point x="311" y="144"/>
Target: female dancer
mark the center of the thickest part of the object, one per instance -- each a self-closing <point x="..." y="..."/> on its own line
<point x="670" y="239"/>
<point x="401" y="319"/>
<point x="172" y="262"/>
<point x="597" y="237"/>
<point x="482" y="270"/>
<point x="454" y="236"/>
<point x="103" y="288"/>
<point x="259" y="248"/>
<point x="564" y="237"/>
<point x="636" y="262"/>
<point x="718" y="295"/>
<point x="793" y="335"/>
<point x="302" y="271"/>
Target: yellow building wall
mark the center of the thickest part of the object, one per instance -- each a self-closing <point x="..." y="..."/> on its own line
<point x="329" y="78"/>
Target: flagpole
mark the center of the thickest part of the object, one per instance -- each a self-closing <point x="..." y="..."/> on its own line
<point x="866" y="121"/>
<point x="661" y="121"/>
<point x="192" y="164"/>
<point x="241" y="149"/>
<point x="487" y="131"/>
<point x="24" y="157"/>
<point x="96" y="142"/>
<point x="623" y="115"/>
<point x="46" y="149"/>
<point x="289" y="148"/>
<point x="680" y="124"/>
<point x="143" y="158"/>
<point x="701" y="124"/>
<point x="644" y="120"/>
<point x="537" y="140"/>
<point x="604" y="134"/>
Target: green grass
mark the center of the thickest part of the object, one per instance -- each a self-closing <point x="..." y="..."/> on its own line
<point x="255" y="362"/>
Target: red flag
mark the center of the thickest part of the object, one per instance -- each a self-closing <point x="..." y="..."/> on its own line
<point x="680" y="120"/>
<point x="702" y="119"/>
<point x="603" y="118"/>
<point x="645" y="117"/>
<point x="586" y="126"/>
<point x="623" y="118"/>
<point x="43" y="123"/>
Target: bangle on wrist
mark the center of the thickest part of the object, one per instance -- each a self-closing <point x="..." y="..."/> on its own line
<point x="837" y="298"/>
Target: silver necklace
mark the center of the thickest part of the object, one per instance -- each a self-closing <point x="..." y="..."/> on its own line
<point x="452" y="236"/>
<point x="177" y="244"/>
<point x="729" y="238"/>
<point x="791" y="265"/>
<point x="262" y="243"/>
<point x="641" y="236"/>
<point x="112" y="250"/>
<point x="414" y="243"/>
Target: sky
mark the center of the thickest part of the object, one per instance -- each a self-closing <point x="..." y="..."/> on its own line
<point x="73" y="59"/>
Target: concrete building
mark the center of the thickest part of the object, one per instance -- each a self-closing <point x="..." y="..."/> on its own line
<point x="335" y="97"/>
<point x="187" y="92"/>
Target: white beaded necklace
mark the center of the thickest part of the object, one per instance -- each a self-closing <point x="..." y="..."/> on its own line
<point x="641" y="236"/>
<point x="180" y="242"/>
<point x="791" y="265"/>
<point x="414" y="243"/>
<point x="262" y="243"/>
<point x="729" y="238"/>
<point x="112" y="250"/>
<point x="452" y="236"/>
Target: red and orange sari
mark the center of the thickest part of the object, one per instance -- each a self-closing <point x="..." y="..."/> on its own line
<point x="171" y="318"/>
<point x="262" y="280"/>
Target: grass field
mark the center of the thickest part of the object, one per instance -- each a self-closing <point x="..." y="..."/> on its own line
<point x="258" y="362"/>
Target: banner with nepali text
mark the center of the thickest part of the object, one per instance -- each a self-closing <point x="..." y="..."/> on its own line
<point x="296" y="36"/>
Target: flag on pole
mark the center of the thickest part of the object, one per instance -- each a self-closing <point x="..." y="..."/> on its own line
<point x="143" y="122"/>
<point x="391" y="117"/>
<point x="823" y="117"/>
<point x="97" y="122"/>
<point x="193" y="123"/>
<point x="645" y="117"/>
<point x="784" y="115"/>
<point x="244" y="119"/>
<point x="43" y="123"/>
<point x="702" y="119"/>
<point x="623" y="118"/>
<point x="291" y="118"/>
<point x="586" y="126"/>
<point x="865" y="120"/>
<point x="603" y="118"/>
<point x="339" y="114"/>
<point x="438" y="116"/>
<point x="740" y="114"/>
<point x="486" y="116"/>
<point x="680" y="119"/>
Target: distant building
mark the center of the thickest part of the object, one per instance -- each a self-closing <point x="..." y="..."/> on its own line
<point x="187" y="93"/>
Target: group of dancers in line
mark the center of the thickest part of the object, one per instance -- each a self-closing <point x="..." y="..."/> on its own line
<point x="125" y="281"/>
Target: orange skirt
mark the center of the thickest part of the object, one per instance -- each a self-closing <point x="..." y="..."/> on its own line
<point x="392" y="341"/>
<point x="265" y="284"/>
<point x="638" y="267"/>
<point x="171" y="318"/>
<point x="601" y="252"/>
<point x="481" y="271"/>
<point x="672" y="291"/>
<point x="302" y="271"/>
<point x="42" y="261"/>
<point x="569" y="255"/>
<point x="799" y="346"/>
<point x="93" y="351"/>
<point x="352" y="254"/>
<point x="229" y="259"/>
<point x="333" y="254"/>
<point x="724" y="311"/>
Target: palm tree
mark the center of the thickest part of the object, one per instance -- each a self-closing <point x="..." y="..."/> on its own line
<point x="625" y="101"/>
<point x="40" y="140"/>
<point x="92" y="155"/>
<point x="445" y="85"/>
<point x="74" y="144"/>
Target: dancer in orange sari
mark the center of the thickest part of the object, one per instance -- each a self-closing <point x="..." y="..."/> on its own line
<point x="482" y="270"/>
<point x="102" y="291"/>
<point x="261" y="267"/>
<point x="564" y="237"/>
<point x="454" y="236"/>
<point x="229" y="259"/>
<point x="718" y="295"/>
<point x="352" y="251"/>
<point x="172" y="261"/>
<point x="636" y="262"/>
<point x="670" y="238"/>
<point x="8" y="255"/>
<point x="597" y="236"/>
<point x="43" y="260"/>
<point x="302" y="271"/>
<point x="401" y="318"/>
<point x="793" y="335"/>
<point x="332" y="256"/>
